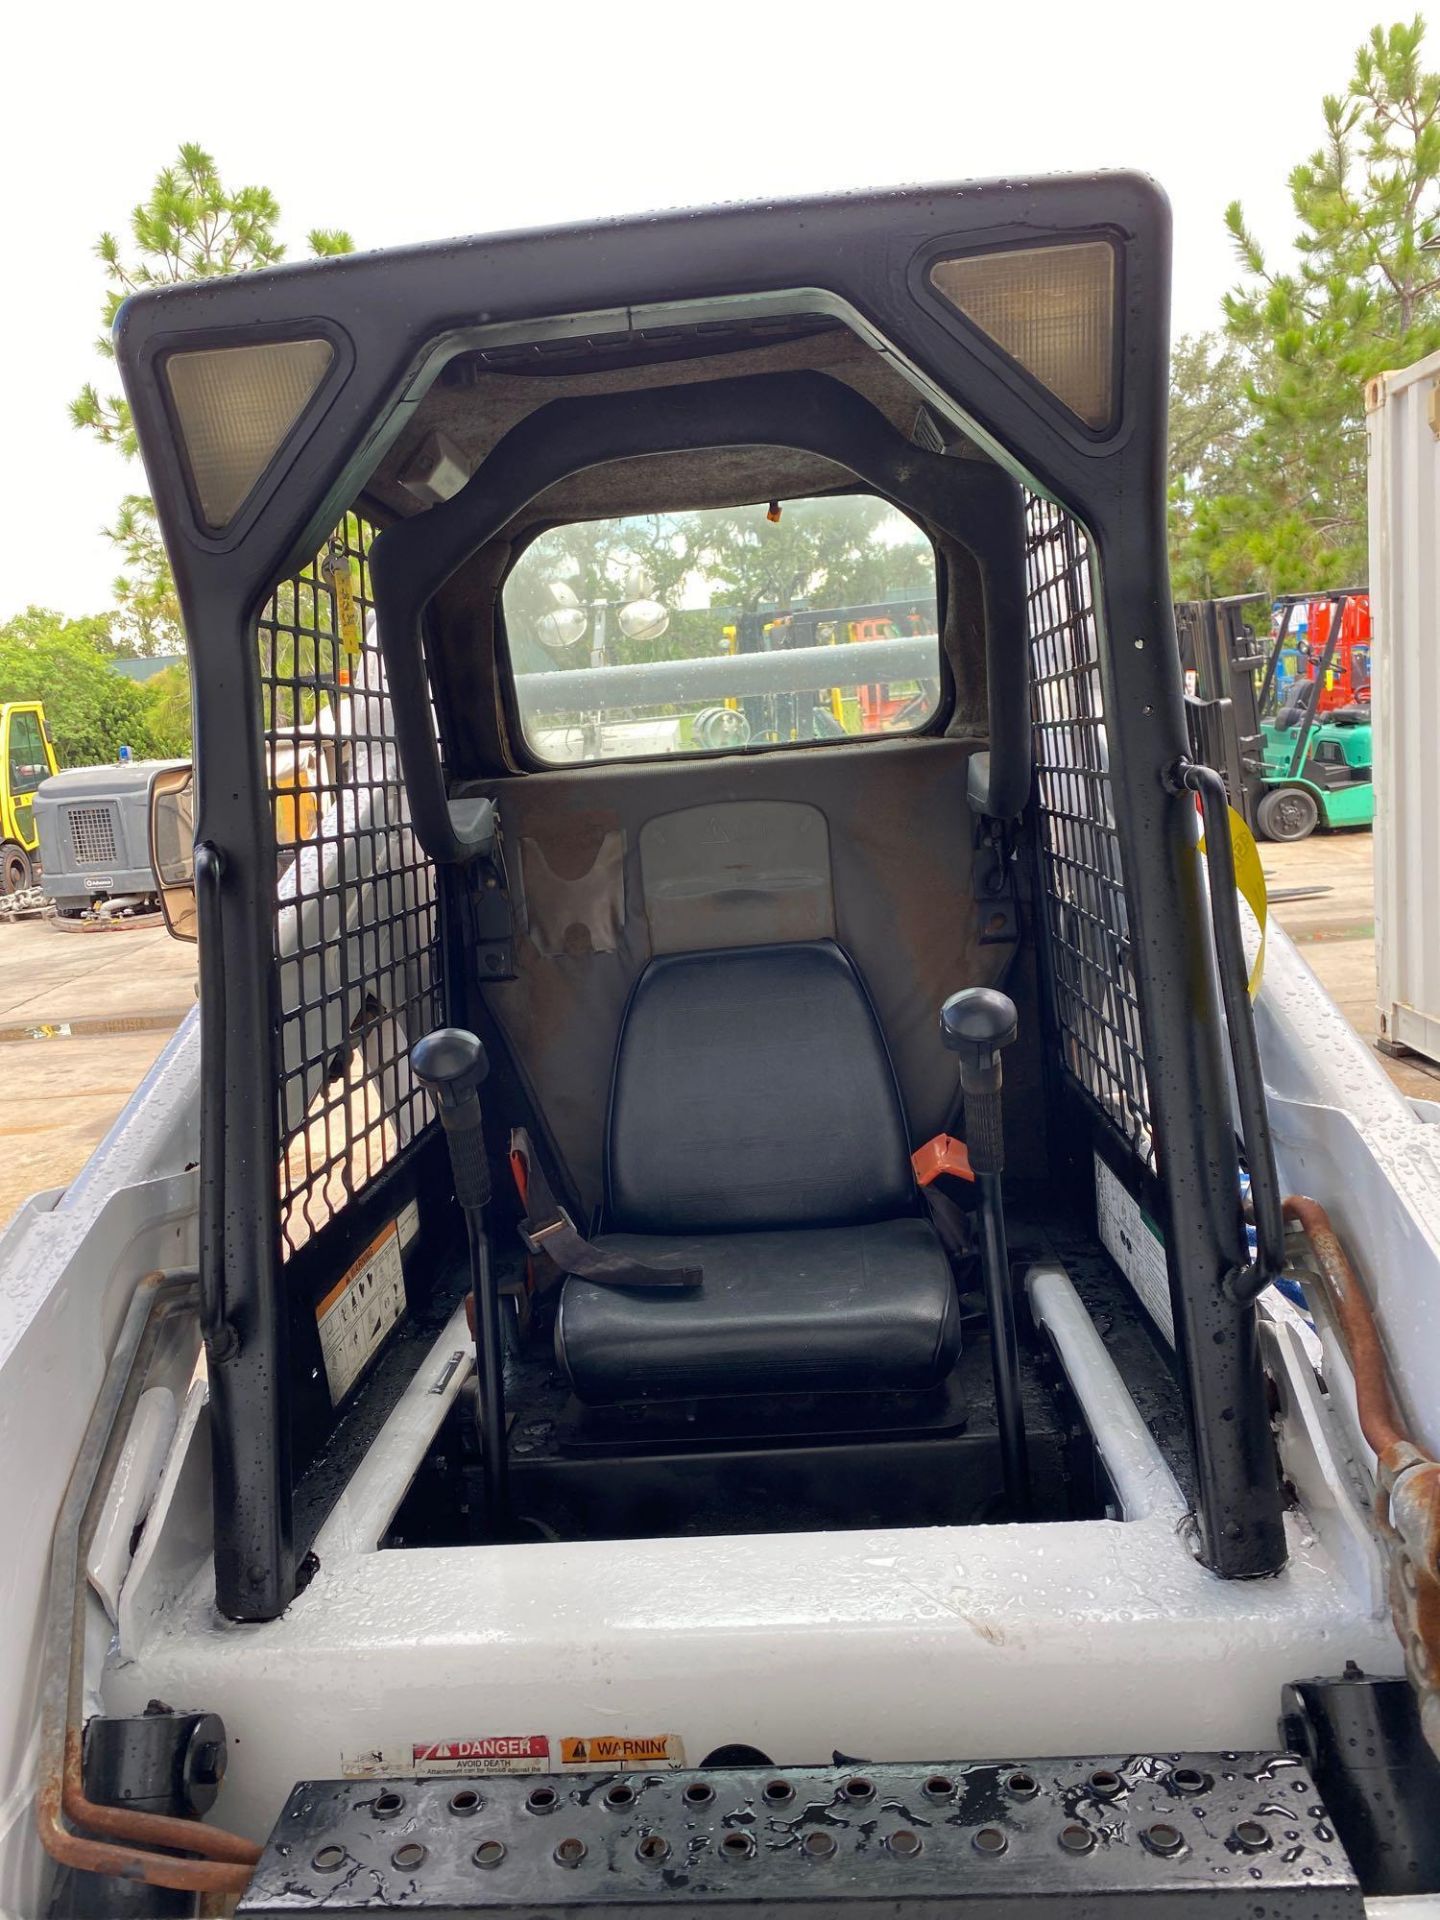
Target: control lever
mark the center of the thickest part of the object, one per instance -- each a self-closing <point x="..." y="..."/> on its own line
<point x="977" y="1025"/>
<point x="451" y="1064"/>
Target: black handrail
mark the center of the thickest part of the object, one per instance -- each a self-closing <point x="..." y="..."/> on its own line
<point x="1245" y="1282"/>
<point x="220" y="1336"/>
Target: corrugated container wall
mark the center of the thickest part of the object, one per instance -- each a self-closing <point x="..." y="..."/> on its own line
<point x="1403" y="419"/>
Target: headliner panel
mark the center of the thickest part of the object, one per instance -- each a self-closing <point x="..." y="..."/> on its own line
<point x="474" y="406"/>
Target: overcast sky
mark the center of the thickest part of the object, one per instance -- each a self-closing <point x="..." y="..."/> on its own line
<point x="418" y="121"/>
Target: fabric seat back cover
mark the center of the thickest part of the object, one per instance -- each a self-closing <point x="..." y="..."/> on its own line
<point x="752" y="1090"/>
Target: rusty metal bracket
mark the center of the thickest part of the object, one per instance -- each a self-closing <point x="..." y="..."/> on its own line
<point x="1407" y="1499"/>
<point x="1408" y="1511"/>
<point x="76" y="1831"/>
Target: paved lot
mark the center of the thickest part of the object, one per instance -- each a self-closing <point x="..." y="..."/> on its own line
<point x="1335" y="930"/>
<point x="120" y="995"/>
<point x="83" y="1015"/>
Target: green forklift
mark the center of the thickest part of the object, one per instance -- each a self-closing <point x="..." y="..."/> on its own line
<point x="1317" y="760"/>
<point x="1294" y="747"/>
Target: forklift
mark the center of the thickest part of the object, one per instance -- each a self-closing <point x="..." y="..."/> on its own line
<point x="823" y="713"/>
<point x="1293" y="746"/>
<point x="1317" y="757"/>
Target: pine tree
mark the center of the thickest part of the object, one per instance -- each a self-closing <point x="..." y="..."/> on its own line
<point x="1363" y="296"/>
<point x="191" y="227"/>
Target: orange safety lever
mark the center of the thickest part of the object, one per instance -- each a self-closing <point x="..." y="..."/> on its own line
<point x="943" y="1154"/>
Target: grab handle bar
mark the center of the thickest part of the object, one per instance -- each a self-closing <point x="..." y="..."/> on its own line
<point x="219" y="1334"/>
<point x="1245" y="1283"/>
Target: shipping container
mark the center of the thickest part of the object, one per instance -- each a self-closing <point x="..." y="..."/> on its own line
<point x="1403" y="417"/>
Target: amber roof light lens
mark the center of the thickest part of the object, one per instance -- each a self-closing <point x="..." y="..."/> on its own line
<point x="235" y="405"/>
<point x="1052" y="309"/>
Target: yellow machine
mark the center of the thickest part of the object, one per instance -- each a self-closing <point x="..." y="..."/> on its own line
<point x="26" y="758"/>
<point x="295" y="773"/>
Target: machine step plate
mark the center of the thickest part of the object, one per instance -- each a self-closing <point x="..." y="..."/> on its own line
<point x="1206" y="1833"/>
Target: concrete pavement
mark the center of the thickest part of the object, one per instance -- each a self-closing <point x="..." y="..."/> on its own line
<point x="1335" y="931"/>
<point x="83" y="1015"/>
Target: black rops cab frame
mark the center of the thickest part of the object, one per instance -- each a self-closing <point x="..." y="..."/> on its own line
<point x="366" y="338"/>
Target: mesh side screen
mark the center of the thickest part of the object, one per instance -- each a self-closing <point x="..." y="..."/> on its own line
<point x="1096" y="1005"/>
<point x="356" y="945"/>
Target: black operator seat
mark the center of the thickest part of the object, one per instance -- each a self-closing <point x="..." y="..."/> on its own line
<point x="756" y="1131"/>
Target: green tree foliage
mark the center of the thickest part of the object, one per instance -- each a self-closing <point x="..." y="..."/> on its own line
<point x="91" y="710"/>
<point x="167" y="695"/>
<point x="834" y="551"/>
<point x="827" y="552"/>
<point x="1212" y="420"/>
<point x="190" y="227"/>
<point x="1285" y="507"/>
<point x="98" y="630"/>
<point x="145" y="591"/>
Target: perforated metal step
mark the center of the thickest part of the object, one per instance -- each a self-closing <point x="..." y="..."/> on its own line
<point x="1224" y="1835"/>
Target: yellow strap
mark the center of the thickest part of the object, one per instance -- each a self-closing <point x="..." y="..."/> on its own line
<point x="336" y="570"/>
<point x="1250" y="885"/>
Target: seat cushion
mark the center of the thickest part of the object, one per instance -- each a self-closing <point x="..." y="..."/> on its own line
<point x="752" y="1089"/>
<point x="870" y="1308"/>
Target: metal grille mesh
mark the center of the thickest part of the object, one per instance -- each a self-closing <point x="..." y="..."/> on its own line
<point x="356" y="943"/>
<point x="92" y="834"/>
<point x="1094" y="980"/>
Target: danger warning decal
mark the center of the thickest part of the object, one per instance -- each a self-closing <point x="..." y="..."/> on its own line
<point x="514" y="1753"/>
<point x="490" y="1753"/>
<point x="581" y="1753"/>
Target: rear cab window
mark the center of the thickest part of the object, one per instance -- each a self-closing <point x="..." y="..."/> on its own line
<point x="777" y="623"/>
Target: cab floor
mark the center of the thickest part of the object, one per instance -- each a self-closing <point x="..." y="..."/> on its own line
<point x="781" y="1467"/>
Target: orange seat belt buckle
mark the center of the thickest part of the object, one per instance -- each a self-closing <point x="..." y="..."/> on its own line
<point x="520" y="1173"/>
<point x="943" y="1154"/>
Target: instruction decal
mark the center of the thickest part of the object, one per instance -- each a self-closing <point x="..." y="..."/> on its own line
<point x="488" y="1753"/>
<point x="1133" y="1242"/>
<point x="359" y="1311"/>
<point x="580" y="1753"/>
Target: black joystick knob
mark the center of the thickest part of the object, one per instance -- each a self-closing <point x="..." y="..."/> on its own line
<point x="451" y="1064"/>
<point x="976" y="1025"/>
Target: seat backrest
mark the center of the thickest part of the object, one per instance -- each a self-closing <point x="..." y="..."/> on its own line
<point x="752" y="1089"/>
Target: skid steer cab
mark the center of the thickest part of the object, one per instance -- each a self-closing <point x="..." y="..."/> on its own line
<point x="694" y="1329"/>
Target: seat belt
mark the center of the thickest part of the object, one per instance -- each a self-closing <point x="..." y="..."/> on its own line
<point x="550" y="1233"/>
<point x="942" y="1155"/>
